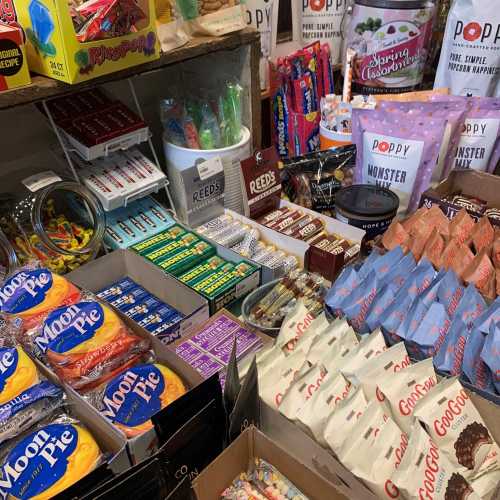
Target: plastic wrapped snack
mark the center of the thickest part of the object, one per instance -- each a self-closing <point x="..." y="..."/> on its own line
<point x="47" y="459"/>
<point x="30" y="294"/>
<point x="131" y="398"/>
<point x="25" y="396"/>
<point x="85" y="343"/>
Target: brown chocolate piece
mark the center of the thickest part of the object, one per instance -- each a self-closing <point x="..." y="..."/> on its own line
<point x="458" y="488"/>
<point x="470" y="439"/>
<point x="462" y="226"/>
<point x="480" y="272"/>
<point x="394" y="236"/>
<point x="434" y="248"/>
<point x="436" y="218"/>
<point x="483" y="234"/>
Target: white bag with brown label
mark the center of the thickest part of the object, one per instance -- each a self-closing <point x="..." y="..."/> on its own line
<point x="403" y="391"/>
<point x="301" y="390"/>
<point x="380" y="457"/>
<point x="370" y="347"/>
<point x="425" y="472"/>
<point x="343" y="419"/>
<point x="455" y="425"/>
<point x="295" y="324"/>
<point x="315" y="413"/>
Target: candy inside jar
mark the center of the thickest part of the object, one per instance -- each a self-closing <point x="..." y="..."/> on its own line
<point x="61" y="226"/>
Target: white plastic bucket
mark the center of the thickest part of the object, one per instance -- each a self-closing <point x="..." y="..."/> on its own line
<point x="329" y="139"/>
<point x="179" y="158"/>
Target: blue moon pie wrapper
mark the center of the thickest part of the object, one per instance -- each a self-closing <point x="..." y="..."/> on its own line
<point x="47" y="459"/>
<point x="130" y="399"/>
<point x="25" y="396"/>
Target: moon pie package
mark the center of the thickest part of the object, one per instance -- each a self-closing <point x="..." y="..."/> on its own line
<point x="85" y="343"/>
<point x="25" y="396"/>
<point x="30" y="294"/>
<point x="47" y="459"/>
<point x="130" y="399"/>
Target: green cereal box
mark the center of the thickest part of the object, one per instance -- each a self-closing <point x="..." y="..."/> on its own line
<point x="180" y="262"/>
<point x="202" y="270"/>
<point x="226" y="269"/>
<point x="159" y="239"/>
<point x="226" y="281"/>
<point x="175" y="246"/>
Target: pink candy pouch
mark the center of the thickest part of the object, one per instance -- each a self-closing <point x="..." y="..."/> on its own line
<point x="396" y="153"/>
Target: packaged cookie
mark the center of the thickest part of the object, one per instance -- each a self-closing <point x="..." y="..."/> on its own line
<point x="130" y="399"/>
<point x="426" y="472"/>
<point x="85" y="343"/>
<point x="454" y="424"/>
<point x="403" y="390"/>
<point x="29" y="295"/>
<point x="25" y="396"/>
<point x="48" y="458"/>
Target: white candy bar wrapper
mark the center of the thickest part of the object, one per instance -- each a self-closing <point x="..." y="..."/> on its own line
<point x="343" y="419"/>
<point x="315" y="413"/>
<point x="379" y="458"/>
<point x="403" y="391"/>
<point x="425" y="472"/>
<point x="294" y="325"/>
<point x="455" y="425"/>
<point x="301" y="390"/>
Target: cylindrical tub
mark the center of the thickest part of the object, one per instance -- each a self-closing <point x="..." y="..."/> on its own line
<point x="329" y="139"/>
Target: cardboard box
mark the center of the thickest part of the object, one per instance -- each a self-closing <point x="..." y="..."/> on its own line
<point x="468" y="182"/>
<point x="14" y="70"/>
<point x="241" y="453"/>
<point x="106" y="270"/>
<point x="54" y="50"/>
<point x="107" y="436"/>
<point x="292" y="438"/>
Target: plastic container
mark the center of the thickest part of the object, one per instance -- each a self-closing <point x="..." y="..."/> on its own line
<point x="328" y="139"/>
<point x="179" y="158"/>
<point x="391" y="39"/>
<point x="368" y="207"/>
<point x="45" y="222"/>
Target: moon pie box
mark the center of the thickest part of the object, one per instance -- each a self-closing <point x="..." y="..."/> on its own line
<point x="90" y="44"/>
<point x="14" y="70"/>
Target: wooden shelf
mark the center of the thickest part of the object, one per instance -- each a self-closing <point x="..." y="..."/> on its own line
<point x="46" y="88"/>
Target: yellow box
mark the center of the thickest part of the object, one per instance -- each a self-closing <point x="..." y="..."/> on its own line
<point x="53" y="49"/>
<point x="14" y="70"/>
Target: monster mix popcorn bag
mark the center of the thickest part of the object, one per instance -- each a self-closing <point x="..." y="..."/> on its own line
<point x="395" y="153"/>
<point x="470" y="58"/>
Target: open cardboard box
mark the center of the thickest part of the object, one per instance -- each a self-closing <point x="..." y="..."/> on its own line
<point x="106" y="270"/>
<point x="240" y="455"/>
<point x="323" y="462"/>
<point x="480" y="185"/>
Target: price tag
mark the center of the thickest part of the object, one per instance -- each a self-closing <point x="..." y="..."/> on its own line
<point x="39" y="181"/>
<point x="209" y="168"/>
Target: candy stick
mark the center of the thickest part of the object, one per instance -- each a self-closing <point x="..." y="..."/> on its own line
<point x="349" y="60"/>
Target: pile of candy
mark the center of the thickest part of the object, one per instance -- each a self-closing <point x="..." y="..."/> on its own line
<point x="263" y="480"/>
<point x="473" y="204"/>
<point x="282" y="298"/>
<point x="160" y="319"/>
<point x="471" y="249"/>
<point x="245" y="240"/>
<point x="319" y="375"/>
<point x="65" y="234"/>
<point x="430" y="311"/>
<point x="298" y="83"/>
<point x="336" y="114"/>
<point x="310" y="229"/>
<point x="197" y="124"/>
<point x="101" y="19"/>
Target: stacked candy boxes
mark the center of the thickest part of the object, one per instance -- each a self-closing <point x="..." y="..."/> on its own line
<point x="158" y="318"/>
<point x="193" y="261"/>
<point x="421" y="438"/>
<point x="86" y="344"/>
<point x="431" y="311"/>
